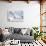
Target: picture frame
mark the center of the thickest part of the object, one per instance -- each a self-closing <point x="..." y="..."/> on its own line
<point x="15" y="16"/>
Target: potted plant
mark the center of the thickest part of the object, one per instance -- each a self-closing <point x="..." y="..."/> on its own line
<point x="37" y="33"/>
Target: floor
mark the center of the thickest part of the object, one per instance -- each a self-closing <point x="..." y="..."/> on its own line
<point x="35" y="43"/>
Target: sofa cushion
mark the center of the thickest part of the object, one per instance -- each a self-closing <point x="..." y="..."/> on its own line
<point x="22" y="38"/>
<point x="11" y="30"/>
<point x="17" y="30"/>
<point x="23" y="31"/>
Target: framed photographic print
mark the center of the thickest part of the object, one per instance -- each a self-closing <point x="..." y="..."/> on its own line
<point x="17" y="15"/>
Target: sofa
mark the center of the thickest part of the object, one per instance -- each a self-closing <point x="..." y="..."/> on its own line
<point x="17" y="34"/>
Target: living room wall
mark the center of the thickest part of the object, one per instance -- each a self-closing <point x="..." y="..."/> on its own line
<point x="31" y="14"/>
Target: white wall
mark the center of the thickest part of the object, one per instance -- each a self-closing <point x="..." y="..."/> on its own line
<point x="31" y="14"/>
